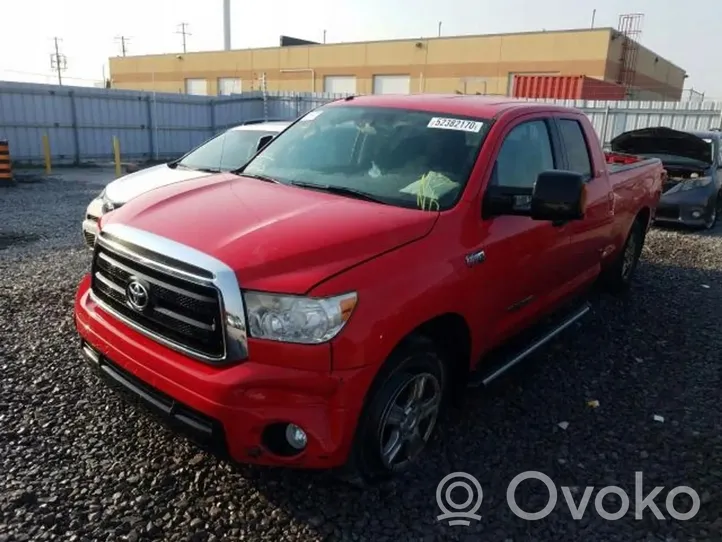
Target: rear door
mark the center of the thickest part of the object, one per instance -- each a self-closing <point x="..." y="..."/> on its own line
<point x="589" y="237"/>
<point x="522" y="255"/>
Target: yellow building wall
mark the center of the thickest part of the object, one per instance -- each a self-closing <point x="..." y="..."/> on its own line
<point x="482" y="64"/>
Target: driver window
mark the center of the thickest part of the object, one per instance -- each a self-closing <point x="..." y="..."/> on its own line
<point x="525" y="153"/>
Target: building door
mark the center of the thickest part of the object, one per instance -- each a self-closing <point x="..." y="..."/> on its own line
<point x="392" y="84"/>
<point x="339" y="84"/>
<point x="198" y="87"/>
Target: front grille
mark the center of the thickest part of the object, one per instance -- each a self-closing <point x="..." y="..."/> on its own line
<point x="179" y="312"/>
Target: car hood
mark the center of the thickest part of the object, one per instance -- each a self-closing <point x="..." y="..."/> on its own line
<point x="662" y="140"/>
<point x="276" y="237"/>
<point x="133" y="185"/>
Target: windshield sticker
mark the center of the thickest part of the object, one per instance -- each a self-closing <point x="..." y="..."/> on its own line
<point x="312" y="115"/>
<point x="455" y="124"/>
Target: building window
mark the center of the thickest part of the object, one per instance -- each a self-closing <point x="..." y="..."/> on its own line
<point x="228" y="86"/>
<point x="198" y="87"/>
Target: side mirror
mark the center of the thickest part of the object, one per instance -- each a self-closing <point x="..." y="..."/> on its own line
<point x="265" y="140"/>
<point x="558" y="196"/>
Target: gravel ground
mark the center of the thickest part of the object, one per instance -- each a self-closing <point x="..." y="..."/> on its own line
<point x="78" y="463"/>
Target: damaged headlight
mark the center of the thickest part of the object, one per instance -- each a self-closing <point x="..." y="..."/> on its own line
<point x="691" y="184"/>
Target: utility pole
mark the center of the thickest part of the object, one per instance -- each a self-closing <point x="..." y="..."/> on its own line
<point x="184" y="32"/>
<point x="123" y="41"/>
<point x="58" y="61"/>
<point x="439" y="28"/>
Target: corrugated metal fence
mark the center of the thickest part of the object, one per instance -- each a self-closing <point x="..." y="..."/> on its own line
<point x="80" y="122"/>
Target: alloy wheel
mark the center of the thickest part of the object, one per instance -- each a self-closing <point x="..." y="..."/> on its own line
<point x="409" y="420"/>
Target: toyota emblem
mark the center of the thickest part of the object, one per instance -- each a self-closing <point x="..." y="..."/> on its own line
<point x="137" y="294"/>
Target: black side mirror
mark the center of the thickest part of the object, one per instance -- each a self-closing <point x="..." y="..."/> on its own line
<point x="265" y="140"/>
<point x="558" y="196"/>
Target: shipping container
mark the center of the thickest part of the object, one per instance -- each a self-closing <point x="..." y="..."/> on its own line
<point x="566" y="87"/>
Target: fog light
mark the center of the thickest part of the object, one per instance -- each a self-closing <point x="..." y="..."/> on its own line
<point x="696" y="214"/>
<point x="296" y="436"/>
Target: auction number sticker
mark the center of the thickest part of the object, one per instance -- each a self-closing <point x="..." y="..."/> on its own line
<point x="455" y="124"/>
<point x="312" y="115"/>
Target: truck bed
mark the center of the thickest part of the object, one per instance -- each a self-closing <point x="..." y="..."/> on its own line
<point x="619" y="162"/>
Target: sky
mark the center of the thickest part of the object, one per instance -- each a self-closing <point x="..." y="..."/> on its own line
<point x="686" y="33"/>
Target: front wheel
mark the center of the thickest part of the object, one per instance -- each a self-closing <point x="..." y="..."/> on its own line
<point x="401" y="413"/>
<point x="618" y="277"/>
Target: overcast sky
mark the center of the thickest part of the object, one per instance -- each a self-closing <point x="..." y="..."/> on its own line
<point x="685" y="32"/>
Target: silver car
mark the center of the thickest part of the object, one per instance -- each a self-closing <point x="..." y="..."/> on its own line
<point x="224" y="152"/>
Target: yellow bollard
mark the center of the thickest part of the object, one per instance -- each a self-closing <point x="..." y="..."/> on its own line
<point x="116" y="155"/>
<point x="46" y="153"/>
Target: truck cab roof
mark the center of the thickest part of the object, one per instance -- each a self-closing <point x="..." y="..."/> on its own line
<point x="456" y="104"/>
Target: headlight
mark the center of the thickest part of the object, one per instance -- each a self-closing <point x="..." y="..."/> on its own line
<point x="297" y="319"/>
<point x="696" y="183"/>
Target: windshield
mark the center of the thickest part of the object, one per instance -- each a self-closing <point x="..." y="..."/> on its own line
<point x="228" y="151"/>
<point x="405" y="158"/>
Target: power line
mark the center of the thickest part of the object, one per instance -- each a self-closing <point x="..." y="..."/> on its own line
<point x="123" y="41"/>
<point x="58" y="61"/>
<point x="184" y="32"/>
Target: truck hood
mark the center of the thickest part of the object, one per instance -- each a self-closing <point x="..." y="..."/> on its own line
<point x="662" y="140"/>
<point x="132" y="185"/>
<point x="277" y="238"/>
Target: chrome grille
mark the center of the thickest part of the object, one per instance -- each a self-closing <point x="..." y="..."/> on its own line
<point x="180" y="312"/>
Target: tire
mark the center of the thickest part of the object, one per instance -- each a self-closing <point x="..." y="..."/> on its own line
<point x="618" y="277"/>
<point x="414" y="362"/>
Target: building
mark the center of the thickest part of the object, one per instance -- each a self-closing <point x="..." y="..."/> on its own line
<point x="486" y="64"/>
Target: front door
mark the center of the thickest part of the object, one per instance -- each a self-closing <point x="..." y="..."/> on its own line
<point x="522" y="267"/>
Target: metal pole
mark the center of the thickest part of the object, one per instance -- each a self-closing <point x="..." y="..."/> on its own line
<point x="439" y="28"/>
<point x="57" y="61"/>
<point x="594" y="16"/>
<point x="227" y="25"/>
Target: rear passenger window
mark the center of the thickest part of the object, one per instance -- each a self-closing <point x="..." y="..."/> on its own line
<point x="576" y="147"/>
<point x="525" y="153"/>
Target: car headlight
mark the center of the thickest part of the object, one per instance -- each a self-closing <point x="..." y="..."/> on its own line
<point x="696" y="183"/>
<point x="297" y="319"/>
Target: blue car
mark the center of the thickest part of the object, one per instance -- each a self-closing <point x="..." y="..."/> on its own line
<point x="692" y="193"/>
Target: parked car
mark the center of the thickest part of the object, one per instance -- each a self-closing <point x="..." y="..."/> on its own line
<point x="693" y="190"/>
<point x="224" y="152"/>
<point x="321" y="307"/>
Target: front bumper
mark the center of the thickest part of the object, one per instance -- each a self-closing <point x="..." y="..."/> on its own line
<point x="693" y="215"/>
<point x="229" y="408"/>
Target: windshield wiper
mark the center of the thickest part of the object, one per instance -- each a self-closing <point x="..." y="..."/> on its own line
<point x="341" y="191"/>
<point x="260" y="177"/>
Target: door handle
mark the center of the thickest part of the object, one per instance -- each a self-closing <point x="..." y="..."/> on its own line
<point x="475" y="258"/>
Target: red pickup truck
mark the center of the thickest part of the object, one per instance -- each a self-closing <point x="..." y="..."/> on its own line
<point x="319" y="307"/>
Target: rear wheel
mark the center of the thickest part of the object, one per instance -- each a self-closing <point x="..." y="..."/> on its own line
<point x="401" y="413"/>
<point x="618" y="277"/>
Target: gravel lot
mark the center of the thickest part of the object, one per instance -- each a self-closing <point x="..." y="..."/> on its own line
<point x="78" y="463"/>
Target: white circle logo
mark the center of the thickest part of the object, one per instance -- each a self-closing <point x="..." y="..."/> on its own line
<point x="444" y="500"/>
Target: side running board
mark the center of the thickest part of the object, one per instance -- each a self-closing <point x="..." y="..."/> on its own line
<point x="509" y="355"/>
